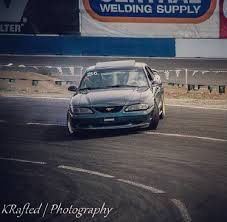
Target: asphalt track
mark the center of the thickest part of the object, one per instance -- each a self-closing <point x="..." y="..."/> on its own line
<point x="176" y="173"/>
<point x="158" y="63"/>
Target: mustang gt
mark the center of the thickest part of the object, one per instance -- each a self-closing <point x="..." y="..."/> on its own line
<point x="116" y="95"/>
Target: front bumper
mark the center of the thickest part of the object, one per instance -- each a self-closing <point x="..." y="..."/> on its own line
<point x="120" y="120"/>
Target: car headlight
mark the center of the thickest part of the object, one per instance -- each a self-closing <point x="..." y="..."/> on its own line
<point x="136" y="107"/>
<point x="81" y="110"/>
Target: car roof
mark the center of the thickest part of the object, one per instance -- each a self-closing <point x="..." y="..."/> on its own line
<point x="116" y="64"/>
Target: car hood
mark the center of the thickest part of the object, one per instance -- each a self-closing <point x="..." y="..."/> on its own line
<point x="110" y="97"/>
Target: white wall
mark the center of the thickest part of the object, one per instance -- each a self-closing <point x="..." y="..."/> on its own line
<point x="207" y="48"/>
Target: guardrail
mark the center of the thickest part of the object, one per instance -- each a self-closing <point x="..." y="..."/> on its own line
<point x="178" y="75"/>
<point x="194" y="77"/>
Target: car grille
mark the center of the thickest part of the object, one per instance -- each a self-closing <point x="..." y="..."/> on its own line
<point x="110" y="109"/>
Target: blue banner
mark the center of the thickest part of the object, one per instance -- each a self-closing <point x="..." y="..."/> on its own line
<point x="183" y="11"/>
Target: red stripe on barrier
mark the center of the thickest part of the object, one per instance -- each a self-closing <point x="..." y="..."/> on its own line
<point x="223" y="18"/>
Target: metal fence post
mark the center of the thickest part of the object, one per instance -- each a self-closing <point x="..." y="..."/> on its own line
<point x="210" y="89"/>
<point x="186" y="77"/>
<point x="221" y="89"/>
<point x="35" y="82"/>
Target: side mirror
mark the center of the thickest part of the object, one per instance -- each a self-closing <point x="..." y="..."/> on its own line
<point x="72" y="88"/>
<point x="157" y="80"/>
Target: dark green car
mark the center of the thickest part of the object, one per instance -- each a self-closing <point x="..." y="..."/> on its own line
<point x="115" y="95"/>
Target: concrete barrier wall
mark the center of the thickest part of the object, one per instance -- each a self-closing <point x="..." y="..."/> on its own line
<point x="110" y="46"/>
<point x="205" y="48"/>
<point x="87" y="46"/>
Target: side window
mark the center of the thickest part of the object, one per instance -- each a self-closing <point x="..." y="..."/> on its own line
<point x="149" y="74"/>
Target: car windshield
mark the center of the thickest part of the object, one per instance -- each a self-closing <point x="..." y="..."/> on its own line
<point x="99" y="79"/>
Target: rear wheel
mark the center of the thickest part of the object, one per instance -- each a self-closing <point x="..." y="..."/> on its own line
<point x="155" y="117"/>
<point x="163" y="110"/>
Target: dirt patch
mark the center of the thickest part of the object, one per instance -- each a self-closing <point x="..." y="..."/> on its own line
<point x="175" y="92"/>
<point x="29" y="83"/>
<point x="202" y="97"/>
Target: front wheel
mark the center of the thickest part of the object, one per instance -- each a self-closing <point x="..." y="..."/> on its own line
<point x="154" y="118"/>
<point x="69" y="125"/>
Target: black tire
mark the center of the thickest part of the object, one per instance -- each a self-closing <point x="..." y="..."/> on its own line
<point x="71" y="131"/>
<point x="155" y="118"/>
<point x="163" y="109"/>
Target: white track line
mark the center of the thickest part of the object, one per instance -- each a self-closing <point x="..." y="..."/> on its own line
<point x="186" y="136"/>
<point x="181" y="207"/>
<point x="8" y="65"/>
<point x="197" y="107"/>
<point x="23" y="161"/>
<point x="183" y="210"/>
<point x="44" y="124"/>
<point x="145" y="187"/>
<point x="85" y="171"/>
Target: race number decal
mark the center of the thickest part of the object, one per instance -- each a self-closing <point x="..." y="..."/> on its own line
<point x="150" y="11"/>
